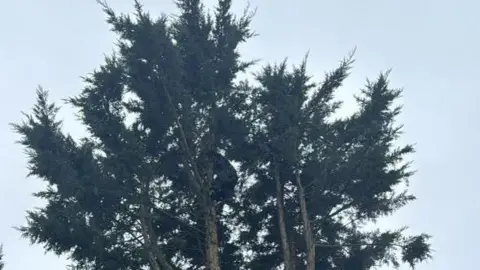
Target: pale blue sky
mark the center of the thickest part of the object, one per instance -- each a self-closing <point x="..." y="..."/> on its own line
<point x="432" y="47"/>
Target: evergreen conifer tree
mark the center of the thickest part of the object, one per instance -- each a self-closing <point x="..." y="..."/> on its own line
<point x="319" y="179"/>
<point x="154" y="185"/>
<point x="2" y="264"/>
<point x="148" y="192"/>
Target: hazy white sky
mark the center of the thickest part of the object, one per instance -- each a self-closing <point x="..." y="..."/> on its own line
<point x="432" y="47"/>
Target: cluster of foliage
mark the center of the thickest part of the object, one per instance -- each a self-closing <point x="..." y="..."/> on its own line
<point x="185" y="167"/>
<point x="2" y="264"/>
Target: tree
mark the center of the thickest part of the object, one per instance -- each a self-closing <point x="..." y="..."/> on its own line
<point x="327" y="176"/>
<point x="2" y="264"/>
<point x="156" y="184"/>
<point x="140" y="194"/>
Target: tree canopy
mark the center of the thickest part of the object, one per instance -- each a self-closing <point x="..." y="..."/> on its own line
<point x="187" y="167"/>
<point x="2" y="263"/>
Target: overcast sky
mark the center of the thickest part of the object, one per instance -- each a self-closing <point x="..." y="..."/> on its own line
<point x="432" y="47"/>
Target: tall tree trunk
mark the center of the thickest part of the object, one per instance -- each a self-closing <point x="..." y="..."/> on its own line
<point x="211" y="237"/>
<point x="211" y="231"/>
<point x="201" y="186"/>
<point x="287" y="251"/>
<point x="307" y="230"/>
<point x="156" y="257"/>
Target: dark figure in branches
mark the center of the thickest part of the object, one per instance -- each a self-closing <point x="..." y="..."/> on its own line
<point x="225" y="177"/>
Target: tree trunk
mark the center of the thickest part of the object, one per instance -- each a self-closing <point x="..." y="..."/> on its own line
<point x="201" y="187"/>
<point x="157" y="259"/>
<point x="211" y="237"/>
<point x="287" y="251"/>
<point x="307" y="230"/>
<point x="211" y="232"/>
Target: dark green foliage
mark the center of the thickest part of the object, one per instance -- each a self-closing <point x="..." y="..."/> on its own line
<point x="165" y="106"/>
<point x="2" y="264"/>
<point x="349" y="169"/>
<point x="176" y="78"/>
